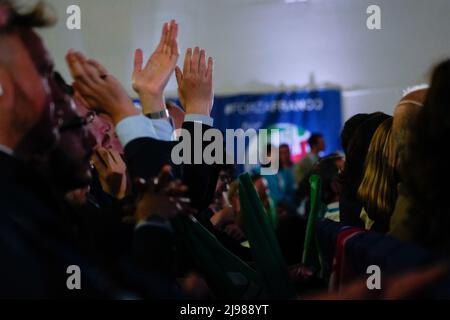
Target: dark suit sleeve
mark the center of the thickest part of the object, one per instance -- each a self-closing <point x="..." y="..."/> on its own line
<point x="200" y="178"/>
<point x="146" y="156"/>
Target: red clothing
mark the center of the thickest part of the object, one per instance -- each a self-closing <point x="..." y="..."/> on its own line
<point x="340" y="270"/>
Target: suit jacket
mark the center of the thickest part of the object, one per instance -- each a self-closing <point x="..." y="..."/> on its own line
<point x="146" y="156"/>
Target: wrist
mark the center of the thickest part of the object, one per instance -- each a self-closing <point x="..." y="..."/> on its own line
<point x="123" y="113"/>
<point x="152" y="103"/>
<point x="197" y="108"/>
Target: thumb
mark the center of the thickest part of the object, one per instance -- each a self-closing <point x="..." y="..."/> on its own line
<point x="179" y="75"/>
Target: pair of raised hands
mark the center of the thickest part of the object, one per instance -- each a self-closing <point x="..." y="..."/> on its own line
<point x="103" y="93"/>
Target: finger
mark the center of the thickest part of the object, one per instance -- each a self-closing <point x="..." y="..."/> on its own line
<point x="138" y="60"/>
<point x="166" y="49"/>
<point x="82" y="89"/>
<point x="97" y="65"/>
<point x="109" y="158"/>
<point x="179" y="76"/>
<point x="209" y="71"/>
<point x="78" y="98"/>
<point x="85" y="92"/>
<point x="163" y="38"/>
<point x="75" y="67"/>
<point x="102" y="153"/>
<point x="202" y="62"/>
<point x="175" y="51"/>
<point x="91" y="75"/>
<point x="98" y="163"/>
<point x="187" y="61"/>
<point x="174" y="41"/>
<point x="168" y="40"/>
<point x="195" y="60"/>
<point x="113" y="156"/>
<point x="85" y="95"/>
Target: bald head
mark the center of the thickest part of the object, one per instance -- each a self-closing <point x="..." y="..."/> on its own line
<point x="404" y="115"/>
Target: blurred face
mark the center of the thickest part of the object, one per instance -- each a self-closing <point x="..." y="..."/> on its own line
<point x="285" y="155"/>
<point x="33" y="106"/>
<point x="70" y="161"/>
<point x="101" y="128"/>
<point x="321" y="144"/>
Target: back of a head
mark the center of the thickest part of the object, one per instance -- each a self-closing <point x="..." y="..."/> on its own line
<point x="28" y="14"/>
<point x="314" y="140"/>
<point x="328" y="171"/>
<point x="378" y="189"/>
<point x="357" y="151"/>
<point x="426" y="170"/>
<point x="16" y="17"/>
<point x="404" y="114"/>
<point x="350" y="127"/>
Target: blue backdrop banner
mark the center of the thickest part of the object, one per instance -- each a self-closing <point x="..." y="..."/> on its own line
<point x="296" y="114"/>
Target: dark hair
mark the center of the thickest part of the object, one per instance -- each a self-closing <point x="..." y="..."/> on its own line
<point x="329" y="173"/>
<point x="350" y="127"/>
<point x="290" y="163"/>
<point x="357" y="152"/>
<point x="426" y="169"/>
<point x="314" y="139"/>
<point x="41" y="14"/>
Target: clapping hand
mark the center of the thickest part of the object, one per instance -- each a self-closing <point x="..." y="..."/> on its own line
<point x="162" y="197"/>
<point x="195" y="82"/>
<point x="101" y="91"/>
<point x="149" y="81"/>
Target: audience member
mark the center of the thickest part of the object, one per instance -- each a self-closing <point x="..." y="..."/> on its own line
<point x="378" y="189"/>
<point x="88" y="179"/>
<point x="425" y="170"/>
<point x="349" y="205"/>
<point x="317" y="145"/>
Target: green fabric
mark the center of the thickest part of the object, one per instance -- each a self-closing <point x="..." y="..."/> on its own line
<point x="227" y="275"/>
<point x="310" y="249"/>
<point x="260" y="233"/>
<point x="273" y="215"/>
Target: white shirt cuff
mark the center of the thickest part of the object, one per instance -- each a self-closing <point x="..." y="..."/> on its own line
<point x="135" y="127"/>
<point x="201" y="118"/>
<point x="163" y="129"/>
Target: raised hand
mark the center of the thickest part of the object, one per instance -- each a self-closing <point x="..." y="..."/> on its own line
<point x="195" y="82"/>
<point x="112" y="172"/>
<point x="149" y="81"/>
<point x="101" y="91"/>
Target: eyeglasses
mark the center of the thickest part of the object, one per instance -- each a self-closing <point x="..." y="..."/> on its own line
<point x="78" y="122"/>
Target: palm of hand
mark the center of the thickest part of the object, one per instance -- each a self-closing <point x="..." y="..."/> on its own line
<point x="156" y="74"/>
